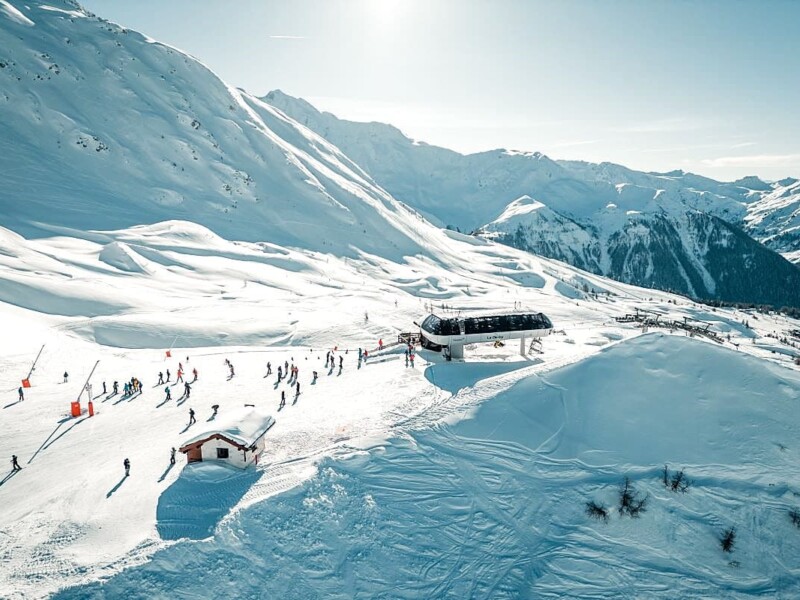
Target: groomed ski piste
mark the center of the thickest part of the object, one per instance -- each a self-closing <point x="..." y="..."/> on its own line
<point x="449" y="479"/>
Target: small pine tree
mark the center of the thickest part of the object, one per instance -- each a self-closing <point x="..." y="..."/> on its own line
<point x="597" y="511"/>
<point x="728" y="539"/>
<point x="631" y="503"/>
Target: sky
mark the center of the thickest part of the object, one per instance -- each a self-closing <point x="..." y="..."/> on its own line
<point x="711" y="87"/>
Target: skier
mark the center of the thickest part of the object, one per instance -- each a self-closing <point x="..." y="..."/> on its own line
<point x="359" y="354"/>
<point x="315" y="377"/>
<point x="231" y="367"/>
<point x="172" y="456"/>
<point x="127" y="464"/>
<point x="280" y="373"/>
<point x="116" y="387"/>
<point x="365" y="355"/>
<point x="180" y="366"/>
<point x="66" y="376"/>
<point x="286" y="367"/>
<point x="194" y="372"/>
<point x="14" y="464"/>
<point x="169" y="394"/>
<point x="21" y="395"/>
<point x="179" y="377"/>
<point x="297" y="389"/>
<point x="215" y="408"/>
<point x="380" y="344"/>
<point x="104" y="388"/>
<point x="341" y="358"/>
<point x="269" y="368"/>
<point x="160" y="378"/>
<point x="187" y="389"/>
<point x="283" y="400"/>
<point x="411" y="358"/>
<point x="191" y="416"/>
<point x="168" y="375"/>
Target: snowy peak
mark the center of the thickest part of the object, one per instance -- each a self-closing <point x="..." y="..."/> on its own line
<point x="162" y="137"/>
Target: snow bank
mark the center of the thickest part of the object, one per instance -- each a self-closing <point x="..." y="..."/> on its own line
<point x="494" y="506"/>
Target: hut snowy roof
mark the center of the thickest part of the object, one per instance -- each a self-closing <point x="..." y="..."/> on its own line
<point x="242" y="427"/>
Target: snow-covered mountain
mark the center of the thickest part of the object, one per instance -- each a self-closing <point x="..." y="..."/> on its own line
<point x="102" y="128"/>
<point x="671" y="230"/>
<point x="468" y="478"/>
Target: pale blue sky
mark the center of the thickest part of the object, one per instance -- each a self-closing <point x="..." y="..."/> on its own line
<point x="711" y="87"/>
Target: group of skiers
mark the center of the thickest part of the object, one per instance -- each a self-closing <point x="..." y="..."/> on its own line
<point x="290" y="372"/>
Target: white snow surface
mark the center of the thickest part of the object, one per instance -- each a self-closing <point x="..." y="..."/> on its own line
<point x="70" y="516"/>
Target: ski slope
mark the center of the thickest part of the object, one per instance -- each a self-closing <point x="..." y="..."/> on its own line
<point x="123" y="297"/>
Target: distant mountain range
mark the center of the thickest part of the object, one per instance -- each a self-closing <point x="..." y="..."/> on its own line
<point x="104" y="128"/>
<point x="676" y="230"/>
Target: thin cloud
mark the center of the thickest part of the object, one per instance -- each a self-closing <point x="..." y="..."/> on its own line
<point x="757" y="160"/>
<point x="575" y="143"/>
<point x="287" y="37"/>
<point x="744" y="144"/>
<point x="665" y="125"/>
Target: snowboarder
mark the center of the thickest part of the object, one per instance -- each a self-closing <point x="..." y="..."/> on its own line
<point x="127" y="464"/>
<point x="187" y="389"/>
<point x="283" y="400"/>
<point x="66" y="376"/>
<point x="215" y="408"/>
<point x="172" y="456"/>
<point x="21" y="395"/>
<point x="160" y="378"/>
<point x="168" y="375"/>
<point x="191" y="416"/>
<point x="14" y="463"/>
<point x="269" y="368"/>
<point x="169" y="394"/>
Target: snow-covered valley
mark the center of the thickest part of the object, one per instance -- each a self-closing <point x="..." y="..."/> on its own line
<point x="340" y="503"/>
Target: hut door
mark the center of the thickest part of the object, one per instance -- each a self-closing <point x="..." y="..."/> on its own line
<point x="195" y="455"/>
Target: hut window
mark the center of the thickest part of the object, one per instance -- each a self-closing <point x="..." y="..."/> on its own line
<point x="222" y="453"/>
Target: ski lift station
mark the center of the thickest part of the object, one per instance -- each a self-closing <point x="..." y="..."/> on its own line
<point x="452" y="333"/>
<point x="237" y="439"/>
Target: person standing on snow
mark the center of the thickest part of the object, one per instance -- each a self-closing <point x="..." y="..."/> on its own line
<point x="21" y="395"/>
<point x="127" y="464"/>
<point x="380" y="344"/>
<point x="283" y="400"/>
<point x="191" y="416"/>
<point x="160" y="378"/>
<point x="269" y="368"/>
<point x="172" y="456"/>
<point x="297" y="389"/>
<point x="168" y="376"/>
<point x="115" y="387"/>
<point x="169" y="394"/>
<point x="187" y="389"/>
<point x="280" y="374"/>
<point x="14" y="463"/>
<point x="179" y="377"/>
<point x="66" y="376"/>
<point x="194" y="373"/>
